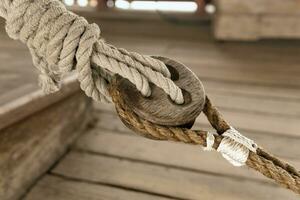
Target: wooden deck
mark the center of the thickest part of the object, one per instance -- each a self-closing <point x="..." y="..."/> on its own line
<point x="255" y="85"/>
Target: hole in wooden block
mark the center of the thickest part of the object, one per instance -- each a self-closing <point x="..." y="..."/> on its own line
<point x="174" y="73"/>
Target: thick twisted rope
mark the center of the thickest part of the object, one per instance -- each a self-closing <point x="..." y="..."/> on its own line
<point x="263" y="162"/>
<point x="61" y="41"/>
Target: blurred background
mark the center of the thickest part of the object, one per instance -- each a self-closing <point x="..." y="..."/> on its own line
<point x="64" y="147"/>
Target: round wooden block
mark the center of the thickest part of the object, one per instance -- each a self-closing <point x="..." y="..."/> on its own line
<point x="159" y="108"/>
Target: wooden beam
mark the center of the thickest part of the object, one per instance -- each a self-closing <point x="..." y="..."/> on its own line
<point x="35" y="131"/>
<point x="20" y="108"/>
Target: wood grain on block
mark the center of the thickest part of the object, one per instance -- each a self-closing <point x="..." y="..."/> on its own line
<point x="287" y="7"/>
<point x="236" y="27"/>
<point x="158" y="107"/>
<point x="30" y="146"/>
<point x="164" y="180"/>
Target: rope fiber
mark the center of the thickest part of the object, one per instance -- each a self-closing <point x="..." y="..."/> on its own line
<point x="61" y="42"/>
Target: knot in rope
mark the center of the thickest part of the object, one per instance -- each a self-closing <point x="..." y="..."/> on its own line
<point x="61" y="42"/>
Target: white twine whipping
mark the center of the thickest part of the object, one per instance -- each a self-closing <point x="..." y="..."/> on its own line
<point x="235" y="147"/>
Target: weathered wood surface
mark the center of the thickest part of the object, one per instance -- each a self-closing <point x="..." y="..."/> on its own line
<point x="37" y="132"/>
<point x="35" y="129"/>
<point x="288" y="7"/>
<point x="17" y="109"/>
<point x="163" y="180"/>
<point x="255" y="27"/>
<point x="157" y="152"/>
<point x="257" y="19"/>
<point x="236" y="27"/>
<point x="61" y="188"/>
<point x="255" y="85"/>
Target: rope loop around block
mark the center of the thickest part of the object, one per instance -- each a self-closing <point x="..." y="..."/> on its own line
<point x="61" y="41"/>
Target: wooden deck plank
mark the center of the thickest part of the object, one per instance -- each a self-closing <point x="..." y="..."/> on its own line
<point x="163" y="180"/>
<point x="252" y="90"/>
<point x="179" y="155"/>
<point x="31" y="143"/>
<point x="58" y="188"/>
<point x="206" y="42"/>
<point x="264" y="106"/>
<point x="186" y="52"/>
<point x="275" y="79"/>
<point x="264" y="55"/>
<point x="279" y="125"/>
<point x="278" y="64"/>
<point x="232" y="62"/>
<point x="274" y="143"/>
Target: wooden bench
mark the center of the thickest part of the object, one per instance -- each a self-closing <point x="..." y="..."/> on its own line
<point x="36" y="130"/>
